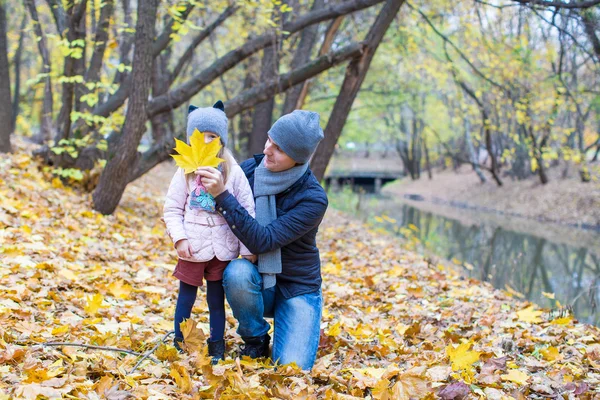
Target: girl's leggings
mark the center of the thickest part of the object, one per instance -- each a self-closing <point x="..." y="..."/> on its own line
<point x="215" y="296"/>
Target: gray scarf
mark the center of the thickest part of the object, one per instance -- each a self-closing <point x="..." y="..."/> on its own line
<point x="267" y="184"/>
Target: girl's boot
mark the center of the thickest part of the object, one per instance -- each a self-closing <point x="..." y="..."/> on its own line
<point x="216" y="350"/>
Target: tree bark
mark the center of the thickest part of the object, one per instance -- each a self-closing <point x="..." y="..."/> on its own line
<point x="114" y="178"/>
<point x="71" y="68"/>
<point x="355" y="75"/>
<point x="125" y="42"/>
<point x="179" y="95"/>
<point x="46" y="116"/>
<point x="262" y="92"/>
<point x="202" y="35"/>
<point x="301" y="56"/>
<point x="263" y="112"/>
<point x="590" y="26"/>
<point x="245" y="120"/>
<point x="161" y="149"/>
<point x="472" y="155"/>
<point x="100" y="42"/>
<point x="17" y="64"/>
<point x="325" y="47"/>
<point x="6" y="118"/>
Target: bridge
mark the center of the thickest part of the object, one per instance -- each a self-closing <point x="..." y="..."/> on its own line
<point x="369" y="173"/>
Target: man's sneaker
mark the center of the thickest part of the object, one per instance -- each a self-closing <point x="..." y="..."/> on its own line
<point x="256" y="347"/>
<point x="216" y="350"/>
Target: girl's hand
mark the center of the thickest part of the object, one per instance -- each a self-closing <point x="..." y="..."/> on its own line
<point x="251" y="258"/>
<point x="184" y="250"/>
<point x="212" y="179"/>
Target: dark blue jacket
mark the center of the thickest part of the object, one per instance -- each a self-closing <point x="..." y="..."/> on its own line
<point x="300" y="209"/>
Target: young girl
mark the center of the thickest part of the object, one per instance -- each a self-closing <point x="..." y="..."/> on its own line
<point x="204" y="241"/>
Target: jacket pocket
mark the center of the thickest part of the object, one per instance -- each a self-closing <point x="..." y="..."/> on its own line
<point x="231" y="242"/>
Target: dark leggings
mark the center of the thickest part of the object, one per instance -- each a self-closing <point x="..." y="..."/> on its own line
<point x="215" y="296"/>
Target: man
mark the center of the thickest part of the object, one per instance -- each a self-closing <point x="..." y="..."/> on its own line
<point x="286" y="282"/>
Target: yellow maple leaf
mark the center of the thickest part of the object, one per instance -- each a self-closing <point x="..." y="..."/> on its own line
<point x="517" y="376"/>
<point x="551" y="354"/>
<point x="61" y="330"/>
<point x="181" y="377"/>
<point x="530" y="315"/>
<point x="167" y="353"/>
<point x="410" y="386"/>
<point x="93" y="303"/>
<point x="334" y="330"/>
<point x="381" y="390"/>
<point x="563" y="320"/>
<point x="193" y="338"/>
<point x="197" y="154"/>
<point x="119" y="289"/>
<point x="461" y="357"/>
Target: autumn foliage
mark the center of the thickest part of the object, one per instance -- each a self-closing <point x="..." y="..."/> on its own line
<point x="396" y="325"/>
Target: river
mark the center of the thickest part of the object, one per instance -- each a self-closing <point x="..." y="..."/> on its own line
<point x="551" y="272"/>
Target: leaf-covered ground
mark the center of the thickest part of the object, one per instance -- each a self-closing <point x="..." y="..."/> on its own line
<point x="395" y="325"/>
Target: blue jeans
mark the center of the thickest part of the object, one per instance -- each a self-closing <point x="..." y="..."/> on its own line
<point x="297" y="320"/>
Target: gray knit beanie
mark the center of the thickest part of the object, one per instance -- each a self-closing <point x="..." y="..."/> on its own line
<point x="208" y="119"/>
<point x="298" y="134"/>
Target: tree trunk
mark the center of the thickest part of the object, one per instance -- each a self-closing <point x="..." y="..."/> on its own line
<point x="245" y="120"/>
<point x="325" y="47"/>
<point x="71" y="68"/>
<point x="92" y="74"/>
<point x="125" y="42"/>
<point x="590" y="26"/>
<point x="6" y="118"/>
<point x="113" y="181"/>
<point x="301" y="56"/>
<point x="179" y="95"/>
<point x="472" y="156"/>
<point x="263" y="112"/>
<point x="427" y="163"/>
<point x="17" y="64"/>
<point x="355" y="75"/>
<point x="46" y="116"/>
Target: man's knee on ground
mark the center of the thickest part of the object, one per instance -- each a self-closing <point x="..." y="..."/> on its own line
<point x="239" y="273"/>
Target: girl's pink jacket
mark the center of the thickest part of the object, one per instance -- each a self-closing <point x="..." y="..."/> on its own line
<point x="207" y="232"/>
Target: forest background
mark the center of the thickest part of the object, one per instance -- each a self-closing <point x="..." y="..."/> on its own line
<point x="510" y="88"/>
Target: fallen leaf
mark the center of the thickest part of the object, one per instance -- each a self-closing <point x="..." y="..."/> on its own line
<point x="530" y="315"/>
<point x="517" y="376"/>
<point x="461" y="357"/>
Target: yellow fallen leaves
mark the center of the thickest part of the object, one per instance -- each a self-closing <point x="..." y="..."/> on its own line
<point x="197" y="154"/>
<point x="193" y="338"/>
<point x="120" y="289"/>
<point x="461" y="357"/>
<point x="389" y="316"/>
<point x="517" y="376"/>
<point x="530" y="314"/>
<point x="182" y="377"/>
<point x="93" y="304"/>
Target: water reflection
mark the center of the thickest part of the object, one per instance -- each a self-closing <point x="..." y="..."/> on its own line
<point x="528" y="264"/>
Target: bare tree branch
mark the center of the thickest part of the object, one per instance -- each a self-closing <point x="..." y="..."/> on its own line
<point x="560" y="4"/>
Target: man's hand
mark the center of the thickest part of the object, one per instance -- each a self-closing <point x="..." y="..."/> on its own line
<point x="252" y="258"/>
<point x="212" y="179"/>
<point x="184" y="250"/>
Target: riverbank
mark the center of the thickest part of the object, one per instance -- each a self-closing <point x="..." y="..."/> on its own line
<point x="395" y="324"/>
<point x="563" y="211"/>
<point x="564" y="201"/>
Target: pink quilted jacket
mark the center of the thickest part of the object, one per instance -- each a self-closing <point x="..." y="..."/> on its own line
<point x="207" y="232"/>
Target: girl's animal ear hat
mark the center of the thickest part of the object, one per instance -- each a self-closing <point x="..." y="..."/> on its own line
<point x="208" y="119"/>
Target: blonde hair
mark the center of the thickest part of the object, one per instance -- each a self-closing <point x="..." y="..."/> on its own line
<point x="226" y="155"/>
